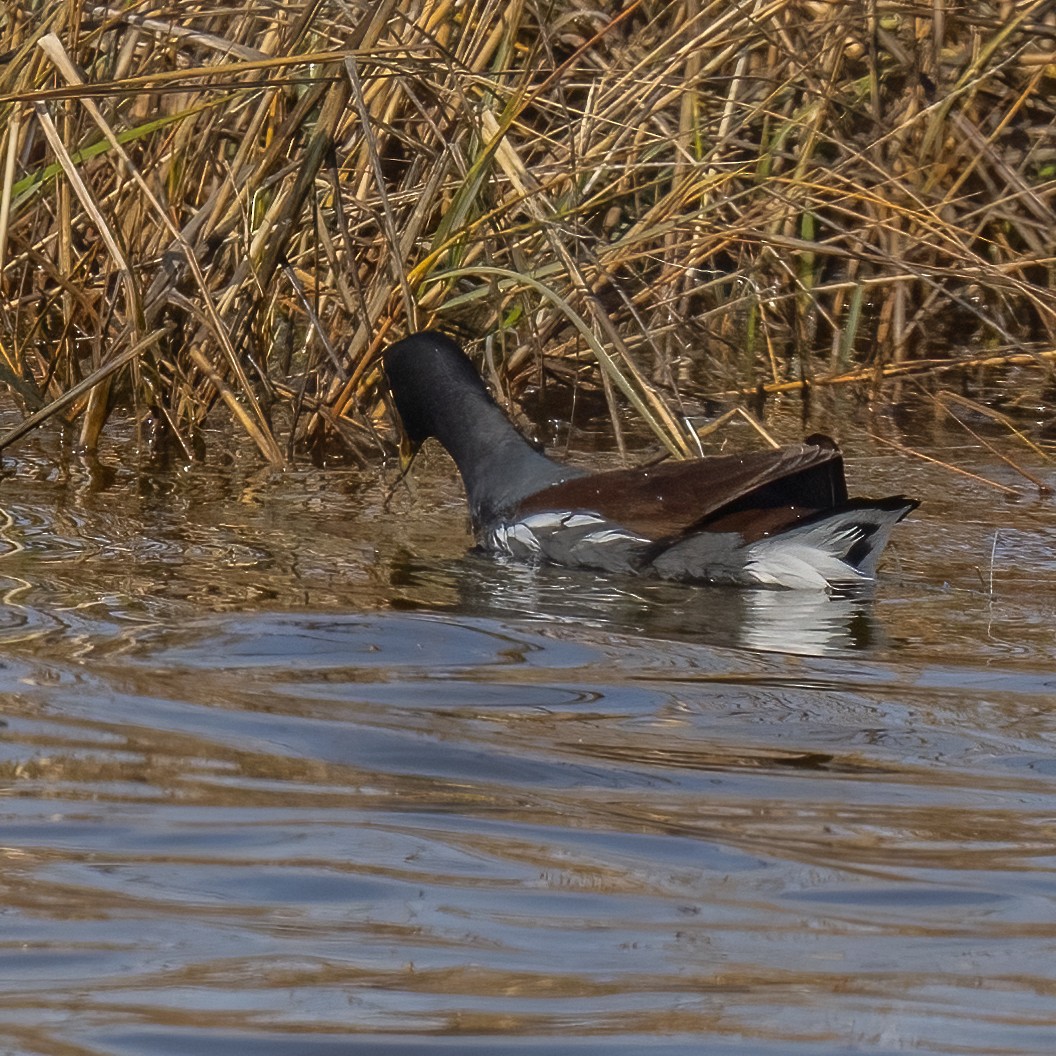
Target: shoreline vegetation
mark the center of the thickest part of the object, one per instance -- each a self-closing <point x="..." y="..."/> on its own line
<point x="233" y="210"/>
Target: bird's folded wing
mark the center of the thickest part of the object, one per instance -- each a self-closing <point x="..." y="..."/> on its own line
<point x="667" y="500"/>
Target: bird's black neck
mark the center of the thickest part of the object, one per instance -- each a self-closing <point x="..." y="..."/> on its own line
<point x="498" y="466"/>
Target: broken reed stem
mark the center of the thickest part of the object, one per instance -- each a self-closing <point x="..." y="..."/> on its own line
<point x="945" y="396"/>
<point x="949" y="467"/>
<point x="894" y="371"/>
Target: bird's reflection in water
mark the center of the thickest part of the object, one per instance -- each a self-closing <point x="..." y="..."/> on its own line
<point x="808" y="623"/>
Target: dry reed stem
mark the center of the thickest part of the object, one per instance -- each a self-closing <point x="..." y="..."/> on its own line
<point x="1042" y="487"/>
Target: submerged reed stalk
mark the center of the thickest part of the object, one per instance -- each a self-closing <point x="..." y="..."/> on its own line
<point x="208" y="211"/>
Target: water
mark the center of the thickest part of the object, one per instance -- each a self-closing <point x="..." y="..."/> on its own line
<point x="284" y="770"/>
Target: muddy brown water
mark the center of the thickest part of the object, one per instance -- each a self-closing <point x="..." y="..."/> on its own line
<point x="283" y="770"/>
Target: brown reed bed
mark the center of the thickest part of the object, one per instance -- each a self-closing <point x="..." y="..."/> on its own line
<point x="209" y="209"/>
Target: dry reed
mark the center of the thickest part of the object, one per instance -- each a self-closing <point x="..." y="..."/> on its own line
<point x="233" y="209"/>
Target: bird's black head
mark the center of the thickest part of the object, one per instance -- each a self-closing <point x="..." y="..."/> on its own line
<point x="425" y="372"/>
<point x="438" y="392"/>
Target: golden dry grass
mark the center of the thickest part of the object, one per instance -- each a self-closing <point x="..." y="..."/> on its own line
<point x="208" y="209"/>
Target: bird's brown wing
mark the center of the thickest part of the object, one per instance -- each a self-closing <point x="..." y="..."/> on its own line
<point x="667" y="500"/>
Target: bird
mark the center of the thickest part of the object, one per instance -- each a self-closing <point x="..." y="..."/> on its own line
<point x="780" y="518"/>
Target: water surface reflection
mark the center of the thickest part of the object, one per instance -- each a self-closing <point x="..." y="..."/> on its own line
<point x="288" y="771"/>
<point x="806" y="622"/>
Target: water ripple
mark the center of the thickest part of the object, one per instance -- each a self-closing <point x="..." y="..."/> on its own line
<point x="282" y="770"/>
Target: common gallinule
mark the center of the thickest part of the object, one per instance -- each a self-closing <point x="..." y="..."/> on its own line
<point x="777" y="518"/>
